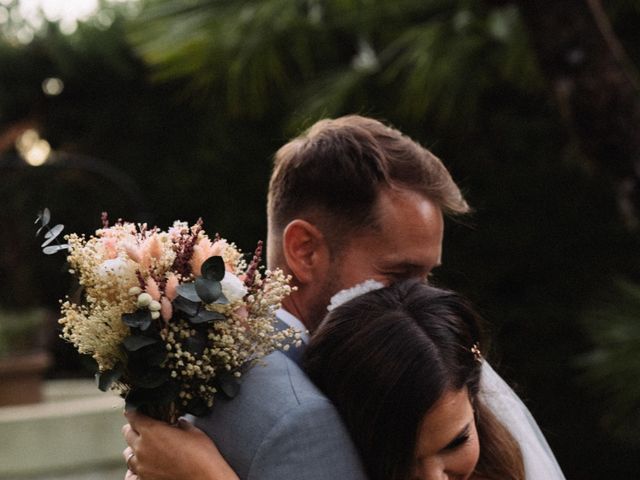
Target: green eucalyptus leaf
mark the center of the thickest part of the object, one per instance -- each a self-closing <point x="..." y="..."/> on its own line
<point x="165" y="393"/>
<point x="222" y="300"/>
<point x="205" y="316"/>
<point x="105" y="379"/>
<point x="229" y="385"/>
<point x="186" y="306"/>
<point x="55" y="231"/>
<point x="139" y="319"/>
<point x="52" y="234"/>
<point x="151" y="377"/>
<point x="208" y="290"/>
<point x="136" y="342"/>
<point x="51" y="249"/>
<point x="188" y="291"/>
<point x="45" y="217"/>
<point x="140" y="361"/>
<point x="213" y="268"/>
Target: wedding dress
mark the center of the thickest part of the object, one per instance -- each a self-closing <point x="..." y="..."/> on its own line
<point x="539" y="461"/>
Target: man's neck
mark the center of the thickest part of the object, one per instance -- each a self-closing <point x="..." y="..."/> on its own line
<point x="290" y="305"/>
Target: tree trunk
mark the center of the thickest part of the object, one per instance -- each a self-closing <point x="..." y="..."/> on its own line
<point x="596" y="86"/>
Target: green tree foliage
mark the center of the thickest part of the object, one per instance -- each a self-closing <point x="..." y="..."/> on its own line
<point x="613" y="366"/>
<point x="318" y="58"/>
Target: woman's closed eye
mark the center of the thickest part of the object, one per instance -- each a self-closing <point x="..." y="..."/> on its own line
<point x="460" y="440"/>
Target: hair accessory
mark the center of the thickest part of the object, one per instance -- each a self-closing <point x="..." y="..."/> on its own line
<point x="347" y="294"/>
<point x="477" y="355"/>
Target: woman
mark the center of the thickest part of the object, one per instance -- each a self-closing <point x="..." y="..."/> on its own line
<point x="402" y="366"/>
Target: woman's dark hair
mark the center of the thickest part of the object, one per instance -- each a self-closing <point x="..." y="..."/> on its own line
<point x="386" y="357"/>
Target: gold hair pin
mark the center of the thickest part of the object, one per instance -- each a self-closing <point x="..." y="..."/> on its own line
<point x="477" y="355"/>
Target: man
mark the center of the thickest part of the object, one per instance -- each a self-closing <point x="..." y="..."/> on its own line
<point x="349" y="200"/>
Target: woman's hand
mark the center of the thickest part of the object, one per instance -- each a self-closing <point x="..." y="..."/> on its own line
<point x="163" y="452"/>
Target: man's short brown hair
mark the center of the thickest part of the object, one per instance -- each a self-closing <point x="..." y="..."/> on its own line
<point x="331" y="176"/>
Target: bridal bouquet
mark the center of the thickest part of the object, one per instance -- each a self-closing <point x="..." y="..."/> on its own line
<point x="171" y="318"/>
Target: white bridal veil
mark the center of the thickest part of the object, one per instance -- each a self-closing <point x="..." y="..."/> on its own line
<point x="539" y="461"/>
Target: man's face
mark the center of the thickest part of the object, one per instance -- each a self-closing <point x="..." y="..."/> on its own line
<point x="407" y="244"/>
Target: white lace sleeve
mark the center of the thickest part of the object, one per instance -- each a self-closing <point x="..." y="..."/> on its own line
<point x="539" y="461"/>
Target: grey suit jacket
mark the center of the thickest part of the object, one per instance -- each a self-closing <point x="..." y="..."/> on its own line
<point x="281" y="427"/>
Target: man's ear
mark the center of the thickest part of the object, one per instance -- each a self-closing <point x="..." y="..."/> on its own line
<point x="305" y="249"/>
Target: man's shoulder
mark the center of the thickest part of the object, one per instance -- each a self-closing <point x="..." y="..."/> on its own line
<point x="271" y="388"/>
<point x="279" y="420"/>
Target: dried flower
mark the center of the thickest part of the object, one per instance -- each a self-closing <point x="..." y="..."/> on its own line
<point x="172" y="317"/>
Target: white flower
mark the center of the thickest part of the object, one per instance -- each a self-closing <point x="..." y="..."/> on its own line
<point x="347" y="294"/>
<point x="116" y="266"/>
<point x="233" y="288"/>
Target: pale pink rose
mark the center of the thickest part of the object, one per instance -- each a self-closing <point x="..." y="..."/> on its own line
<point x="171" y="286"/>
<point x="153" y="289"/>
<point x="166" y="310"/>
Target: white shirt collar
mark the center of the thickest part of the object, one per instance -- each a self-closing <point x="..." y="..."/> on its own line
<point x="294" y="323"/>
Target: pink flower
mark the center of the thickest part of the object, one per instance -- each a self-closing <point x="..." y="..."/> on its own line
<point x="152" y="247"/>
<point x="203" y="250"/>
<point x="166" y="310"/>
<point x="110" y="247"/>
<point x="171" y="286"/>
<point x="133" y="251"/>
<point x="153" y="289"/>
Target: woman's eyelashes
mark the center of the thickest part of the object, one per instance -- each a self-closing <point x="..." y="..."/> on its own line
<point x="460" y="440"/>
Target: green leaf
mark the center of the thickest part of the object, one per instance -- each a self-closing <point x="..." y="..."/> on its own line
<point x="136" y="342"/>
<point x="222" y="300"/>
<point x="208" y="290"/>
<point x="52" y="234"/>
<point x="151" y="377"/>
<point x="139" y="319"/>
<point x="161" y="395"/>
<point x="213" y="268"/>
<point x="188" y="291"/>
<point x="104" y="380"/>
<point x="229" y="385"/>
<point x="51" y="249"/>
<point x="186" y="306"/>
<point x="205" y="316"/>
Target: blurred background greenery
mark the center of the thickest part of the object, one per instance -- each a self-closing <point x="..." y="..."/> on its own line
<point x="162" y="109"/>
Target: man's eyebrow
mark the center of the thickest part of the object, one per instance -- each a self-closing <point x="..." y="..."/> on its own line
<point x="459" y="439"/>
